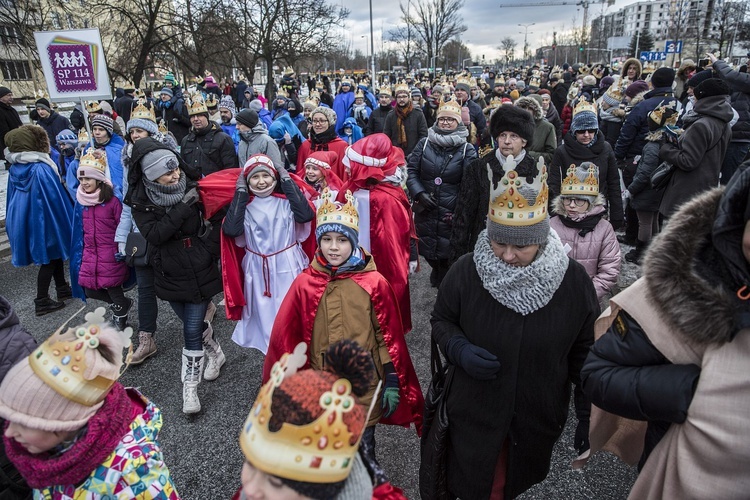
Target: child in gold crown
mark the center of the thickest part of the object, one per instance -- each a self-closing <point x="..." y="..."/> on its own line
<point x="343" y="296"/>
<point x="74" y="431"/>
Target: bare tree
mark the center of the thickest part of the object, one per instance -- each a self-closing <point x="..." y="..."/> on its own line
<point x="727" y="22"/>
<point x="403" y="37"/>
<point x="508" y="46"/>
<point x="435" y="23"/>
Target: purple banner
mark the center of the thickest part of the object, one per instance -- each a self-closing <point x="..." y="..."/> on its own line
<point x="72" y="67"/>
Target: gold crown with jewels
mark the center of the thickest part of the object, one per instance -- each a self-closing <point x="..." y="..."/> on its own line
<point x="322" y="451"/>
<point x="401" y="87"/>
<point x="93" y="106"/>
<point x="466" y="80"/>
<point x="584" y="104"/>
<point x="331" y="212"/>
<point x="143" y="112"/>
<point x="196" y="105"/>
<point x="90" y="160"/>
<point x="83" y="136"/>
<point x="451" y="105"/>
<point x="574" y="186"/>
<point x="61" y="363"/>
<point x="511" y="208"/>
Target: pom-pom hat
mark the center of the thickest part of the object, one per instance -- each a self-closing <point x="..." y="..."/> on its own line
<point x="104" y="122"/>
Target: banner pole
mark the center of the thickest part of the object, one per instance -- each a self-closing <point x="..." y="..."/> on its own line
<point x="86" y="121"/>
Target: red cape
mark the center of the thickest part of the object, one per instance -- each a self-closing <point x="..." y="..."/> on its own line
<point x="296" y="318"/>
<point x="337" y="145"/>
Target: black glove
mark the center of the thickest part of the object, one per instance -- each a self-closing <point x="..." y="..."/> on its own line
<point x="426" y="201"/>
<point x="476" y="361"/>
<point x="191" y="197"/>
<point x="581" y="440"/>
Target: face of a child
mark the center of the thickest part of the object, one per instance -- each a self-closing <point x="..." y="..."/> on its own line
<point x="336" y="248"/>
<point x="35" y="440"/>
<point x="100" y="134"/>
<point x="169" y="178"/>
<point x="260" y="181"/>
<point x="88" y="184"/>
<point x="137" y="133"/>
<point x="313" y="173"/>
<point x="575" y="206"/>
<point x="256" y="484"/>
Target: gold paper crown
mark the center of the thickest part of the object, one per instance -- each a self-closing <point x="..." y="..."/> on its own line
<point x="450" y="106"/>
<point x="584" y="105"/>
<point x="616" y="90"/>
<point x="288" y="71"/>
<point x="337" y="213"/>
<point x="657" y="115"/>
<point x="163" y="127"/>
<point x="93" y="106"/>
<point x="282" y="93"/>
<point x="91" y="161"/>
<point x="83" y="136"/>
<point x="142" y="112"/>
<point x="573" y="186"/>
<point x="61" y="363"/>
<point x="573" y="92"/>
<point x="499" y="80"/>
<point x="313" y="97"/>
<point x="322" y="451"/>
<point x="197" y="105"/>
<point x="466" y="80"/>
<point x="359" y="94"/>
<point x="495" y="102"/>
<point x="401" y="87"/>
<point x="508" y="206"/>
<point x="211" y="101"/>
<point x="535" y="81"/>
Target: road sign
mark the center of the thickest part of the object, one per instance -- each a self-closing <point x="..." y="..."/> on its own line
<point x="653" y="56"/>
<point x="673" y="47"/>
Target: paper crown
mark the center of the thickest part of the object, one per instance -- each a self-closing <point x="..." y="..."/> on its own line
<point x="93" y="106"/>
<point x="282" y="93"/>
<point x="331" y="212"/>
<point x="322" y="451"/>
<point x="163" y="127"/>
<point x="573" y="186"/>
<point x="61" y="363"/>
<point x="143" y="112"/>
<point x="661" y="114"/>
<point x="466" y="80"/>
<point x="495" y="102"/>
<point x="499" y="80"/>
<point x="89" y="160"/>
<point x="450" y="106"/>
<point x="83" y="136"/>
<point x="196" y="105"/>
<point x="359" y="94"/>
<point x="289" y="71"/>
<point x="508" y="206"/>
<point x="401" y="87"/>
<point x="584" y="104"/>
<point x="211" y="101"/>
<point x="313" y="97"/>
<point x="616" y="90"/>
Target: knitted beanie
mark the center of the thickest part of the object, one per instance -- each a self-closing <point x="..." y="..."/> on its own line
<point x="636" y="88"/>
<point x="589" y="80"/>
<point x="463" y="86"/>
<point x="142" y="123"/>
<point x="259" y="163"/>
<point x="582" y="173"/>
<point x="327" y="112"/>
<point x="5" y="91"/>
<point x="711" y="87"/>
<point x="68" y="137"/>
<point x="44" y="104"/>
<point x="512" y="119"/>
<point x="606" y="82"/>
<point x="169" y="78"/>
<point x="255" y="105"/>
<point x="158" y="162"/>
<point x="662" y="77"/>
<point x="514" y="95"/>
<point x="415" y="92"/>
<point x="104" y="122"/>
<point x="351" y="234"/>
<point x="228" y="103"/>
<point x="610" y="100"/>
<point x="699" y="77"/>
<point x="168" y="91"/>
<point x="535" y="234"/>
<point x="247" y="117"/>
<point x="26" y="399"/>
<point x="584" y="120"/>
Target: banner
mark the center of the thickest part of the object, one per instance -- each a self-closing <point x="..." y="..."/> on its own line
<point x="73" y="64"/>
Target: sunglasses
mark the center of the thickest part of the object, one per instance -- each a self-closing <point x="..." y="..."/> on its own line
<point x="590" y="131"/>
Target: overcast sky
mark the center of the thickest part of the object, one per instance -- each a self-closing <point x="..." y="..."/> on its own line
<point x="487" y="24"/>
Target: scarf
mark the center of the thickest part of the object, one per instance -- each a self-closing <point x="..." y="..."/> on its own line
<point x="31" y="157"/>
<point x="355" y="262"/>
<point x="263" y="193"/>
<point x="166" y="196"/>
<point x="522" y="289"/>
<point x="103" y="433"/>
<point x="402" y="112"/>
<point x="320" y="141"/>
<point x="502" y="159"/>
<point x="585" y="222"/>
<point x="448" y="139"/>
<point x="88" y="199"/>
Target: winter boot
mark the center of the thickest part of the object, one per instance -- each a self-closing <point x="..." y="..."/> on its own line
<point x="146" y="348"/>
<point x="635" y="256"/>
<point x="214" y="354"/>
<point x="626" y="239"/>
<point x="120" y="315"/>
<point x="46" y="305"/>
<point x="192" y="371"/>
<point x="64" y="292"/>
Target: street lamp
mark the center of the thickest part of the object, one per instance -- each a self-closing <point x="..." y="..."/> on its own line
<point x="463" y="61"/>
<point x="526" y="40"/>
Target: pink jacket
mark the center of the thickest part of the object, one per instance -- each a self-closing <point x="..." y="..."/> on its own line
<point x="99" y="269"/>
<point x="598" y="251"/>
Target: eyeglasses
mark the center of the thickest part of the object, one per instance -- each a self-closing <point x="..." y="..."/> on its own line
<point x="505" y="136"/>
<point x="446" y="120"/>
<point x="579" y="202"/>
<point x="589" y="131"/>
<point x="317" y="121"/>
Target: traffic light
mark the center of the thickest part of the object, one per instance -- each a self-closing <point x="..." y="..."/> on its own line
<point x="580" y="48"/>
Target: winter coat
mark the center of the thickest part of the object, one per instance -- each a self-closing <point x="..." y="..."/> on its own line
<point x="470" y="215"/>
<point x="9" y="120"/>
<point x="415" y="127"/>
<point x="77" y="118"/>
<point x="740" y="85"/>
<point x="643" y="197"/>
<point x="376" y="122"/>
<point x="633" y="132"/>
<point x="610" y="125"/>
<point x="544" y="141"/>
<point x="699" y="154"/>
<point x="428" y="163"/>
<point x="477" y="118"/>
<point x="208" y="151"/>
<point x="15" y="342"/>
<point x="99" y="269"/>
<point x="600" y="154"/>
<point x="258" y="142"/>
<point x="124" y="106"/>
<point x="184" y="267"/>
<point x="597" y="251"/>
<point x="553" y="117"/>
<point x="559" y="97"/>
<point x="53" y="125"/>
<point x="174" y="114"/>
<point x="526" y="406"/>
<point x="566" y="116"/>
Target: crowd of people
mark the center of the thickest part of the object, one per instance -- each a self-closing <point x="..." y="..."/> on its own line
<point x="305" y="216"/>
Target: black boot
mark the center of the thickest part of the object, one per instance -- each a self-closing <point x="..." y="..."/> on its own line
<point x="120" y="314"/>
<point x="635" y="256"/>
<point x="64" y="292"/>
<point x="46" y="305"/>
<point x="626" y="240"/>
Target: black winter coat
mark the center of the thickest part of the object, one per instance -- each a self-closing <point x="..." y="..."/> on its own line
<point x="427" y="163"/>
<point x="9" y="120"/>
<point x="415" y="127"/>
<point x="600" y="154"/>
<point x="184" y="267"/>
<point x="175" y="116"/>
<point x="470" y="217"/>
<point x="124" y="106"/>
<point x="53" y="125"/>
<point x="209" y="150"/>
<point x="740" y="85"/>
<point x="643" y="197"/>
<point x="540" y="355"/>
<point x="559" y="96"/>
<point x="633" y="132"/>
<point x="376" y="122"/>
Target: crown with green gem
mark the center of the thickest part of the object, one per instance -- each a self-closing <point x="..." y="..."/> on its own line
<point x="511" y="208"/>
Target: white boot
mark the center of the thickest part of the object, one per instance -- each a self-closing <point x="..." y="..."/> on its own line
<point x="214" y="355"/>
<point x="192" y="371"/>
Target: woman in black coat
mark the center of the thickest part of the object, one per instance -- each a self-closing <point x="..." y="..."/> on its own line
<point x="164" y="201"/>
<point x="435" y="169"/>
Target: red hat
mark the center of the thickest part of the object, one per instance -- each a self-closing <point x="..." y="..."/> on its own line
<point x="368" y="157"/>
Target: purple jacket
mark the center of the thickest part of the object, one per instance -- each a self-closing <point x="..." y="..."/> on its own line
<point x="598" y="251"/>
<point x="99" y="269"/>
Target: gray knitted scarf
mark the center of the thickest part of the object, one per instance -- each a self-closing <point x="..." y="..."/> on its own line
<point x="448" y="139"/>
<point x="165" y="196"/>
<point x="522" y="289"/>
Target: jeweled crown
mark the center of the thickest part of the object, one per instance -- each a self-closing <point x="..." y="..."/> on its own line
<point x="331" y="212"/>
<point x="401" y="87"/>
<point x="359" y="94"/>
<point x="495" y="102"/>
<point x="657" y="115"/>
<point x="584" y="105"/>
<point x="83" y="136"/>
<point x="143" y="112"/>
<point x="89" y="160"/>
<point x="93" y="106"/>
<point x="196" y="105"/>
<point x="466" y="80"/>
<point x="322" y="451"/>
<point x="511" y="208"/>
<point x="61" y="363"/>
<point x="450" y="105"/>
<point x="572" y="185"/>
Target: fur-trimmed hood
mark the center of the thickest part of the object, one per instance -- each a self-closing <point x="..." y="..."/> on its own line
<point x="530" y="104"/>
<point x="626" y="65"/>
<point x="27" y="138"/>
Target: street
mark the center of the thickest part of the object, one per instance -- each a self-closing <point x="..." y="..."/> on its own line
<point x="202" y="451"/>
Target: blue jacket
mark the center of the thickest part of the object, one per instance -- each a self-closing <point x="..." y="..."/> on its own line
<point x="231" y="130"/>
<point x="114" y="161"/>
<point x="356" y="131"/>
<point x="633" y="133"/>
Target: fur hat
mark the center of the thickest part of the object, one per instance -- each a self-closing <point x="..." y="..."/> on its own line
<point x="247" y="117"/>
<point x="327" y="112"/>
<point x="104" y="122"/>
<point x="711" y="87"/>
<point x="158" y="162"/>
<point x="663" y="77"/>
<point x="27" y="138"/>
<point x="531" y="105"/>
<point x="512" y="119"/>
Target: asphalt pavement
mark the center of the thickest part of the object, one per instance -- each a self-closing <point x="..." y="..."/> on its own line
<point x="202" y="451"/>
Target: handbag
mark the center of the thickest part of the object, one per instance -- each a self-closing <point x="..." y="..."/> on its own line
<point x="136" y="250"/>
<point x="661" y="176"/>
<point x="433" y="476"/>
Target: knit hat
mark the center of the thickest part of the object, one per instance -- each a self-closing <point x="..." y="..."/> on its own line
<point x="611" y="98"/>
<point x="169" y="78"/>
<point x="462" y="85"/>
<point x="68" y="137"/>
<point x="5" y="91"/>
<point x="228" y="103"/>
<point x="158" y="162"/>
<point x="104" y="122"/>
<point x="142" y="123"/>
<point x="255" y="105"/>
<point x="699" y="77"/>
<point x="328" y="112"/>
<point x="662" y="77"/>
<point x="636" y="88"/>
<point x="512" y="119"/>
<point x="415" y="92"/>
<point x="582" y="181"/>
<point x="711" y="87"/>
<point x="259" y="163"/>
<point x="606" y="82"/>
<point x="589" y="80"/>
<point x="69" y="389"/>
<point x="293" y="401"/>
<point x="584" y="116"/>
<point x="44" y="104"/>
<point x="168" y="91"/>
<point x="247" y="117"/>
